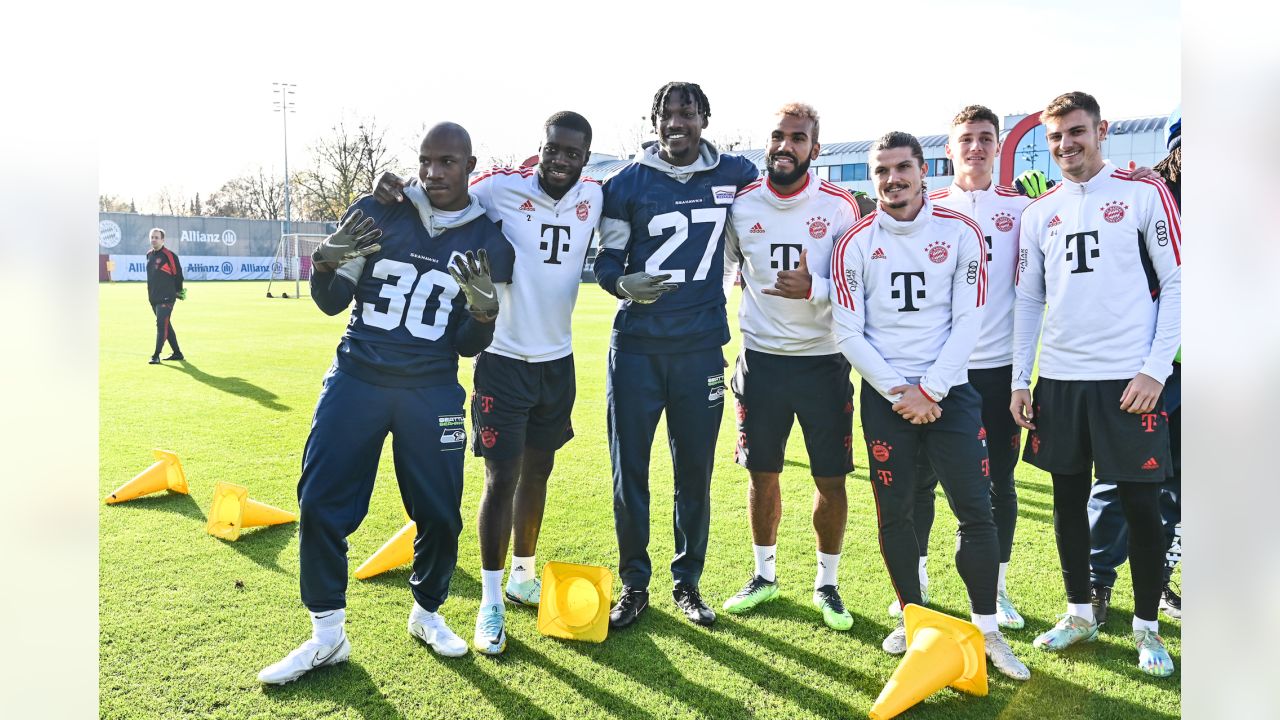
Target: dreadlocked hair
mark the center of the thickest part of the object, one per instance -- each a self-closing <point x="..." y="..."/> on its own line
<point x="1170" y="168"/>
<point x="690" y="90"/>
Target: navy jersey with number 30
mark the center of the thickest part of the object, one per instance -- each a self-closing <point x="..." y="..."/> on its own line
<point x="408" y="309"/>
<point x="675" y="228"/>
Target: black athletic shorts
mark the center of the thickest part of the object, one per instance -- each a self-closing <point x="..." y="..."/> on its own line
<point x="773" y="390"/>
<point x="516" y="403"/>
<point x="1079" y="426"/>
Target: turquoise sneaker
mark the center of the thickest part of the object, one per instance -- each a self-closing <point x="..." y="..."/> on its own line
<point x="827" y="599"/>
<point x="528" y="592"/>
<point x="1153" y="659"/>
<point x="1007" y="615"/>
<point x="1069" y="631"/>
<point x="491" y="631"/>
<point x="895" y="610"/>
<point x="757" y="591"/>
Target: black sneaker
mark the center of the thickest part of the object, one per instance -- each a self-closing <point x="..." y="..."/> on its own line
<point x="1101" y="603"/>
<point x="689" y="601"/>
<point x="631" y="603"/>
<point x="176" y="356"/>
<point x="1171" y="601"/>
<point x="155" y="360"/>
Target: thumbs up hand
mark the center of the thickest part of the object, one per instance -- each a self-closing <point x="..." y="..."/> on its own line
<point x="794" y="284"/>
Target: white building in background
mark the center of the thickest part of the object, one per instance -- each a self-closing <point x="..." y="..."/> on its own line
<point x="1140" y="140"/>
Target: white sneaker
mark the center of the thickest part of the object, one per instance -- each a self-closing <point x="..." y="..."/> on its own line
<point x="308" y="656"/>
<point x="1002" y="657"/>
<point x="430" y="628"/>
<point x="896" y="642"/>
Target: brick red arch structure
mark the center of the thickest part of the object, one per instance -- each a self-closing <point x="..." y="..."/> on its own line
<point x="1007" y="156"/>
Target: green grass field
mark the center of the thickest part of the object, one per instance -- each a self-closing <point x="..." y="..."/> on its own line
<point x="186" y="620"/>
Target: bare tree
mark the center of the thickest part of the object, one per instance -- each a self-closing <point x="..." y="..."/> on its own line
<point x="345" y="164"/>
<point x="254" y="195"/>
<point x="631" y="137"/>
<point x="171" y="201"/>
<point x="732" y="141"/>
<point x="113" y="203"/>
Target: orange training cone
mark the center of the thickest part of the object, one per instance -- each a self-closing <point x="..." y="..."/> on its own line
<point x="164" y="474"/>
<point x="233" y="511"/>
<point x="395" y="552"/>
<point x="941" y="651"/>
<point x="575" y="601"/>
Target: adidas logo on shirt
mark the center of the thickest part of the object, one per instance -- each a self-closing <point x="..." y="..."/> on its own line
<point x="878" y="254"/>
<point x="757" y="228"/>
<point x="1151" y="464"/>
<point x="527" y="206"/>
<point x="1055" y="222"/>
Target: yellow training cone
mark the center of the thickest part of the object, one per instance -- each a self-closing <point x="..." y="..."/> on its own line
<point x="575" y="601"/>
<point x="393" y="553"/>
<point x="233" y="511"/>
<point x="164" y="474"/>
<point x="941" y="651"/>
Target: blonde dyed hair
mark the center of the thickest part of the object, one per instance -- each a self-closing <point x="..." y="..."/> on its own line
<point x="804" y="111"/>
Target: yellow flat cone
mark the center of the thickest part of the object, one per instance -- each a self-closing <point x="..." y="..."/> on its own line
<point x="164" y="474"/>
<point x="233" y="511"/>
<point x="941" y="651"/>
<point x="395" y="552"/>
<point x="575" y="601"/>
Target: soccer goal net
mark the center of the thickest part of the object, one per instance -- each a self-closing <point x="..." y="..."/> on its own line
<point x="291" y="266"/>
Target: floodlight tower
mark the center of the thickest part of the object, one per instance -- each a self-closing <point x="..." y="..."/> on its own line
<point x="284" y="106"/>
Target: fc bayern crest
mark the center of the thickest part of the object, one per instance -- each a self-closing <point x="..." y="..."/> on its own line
<point x="938" y="251"/>
<point x="817" y="228"/>
<point x="584" y="208"/>
<point x="880" y="450"/>
<point x="1113" y="212"/>
<point x="1004" y="222"/>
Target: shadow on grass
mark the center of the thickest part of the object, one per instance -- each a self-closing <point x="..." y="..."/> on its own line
<point x="233" y="385"/>
<point x="633" y="654"/>
<point x="509" y="703"/>
<point x="759" y="671"/>
<point x="1046" y="696"/>
<point x="170" y="502"/>
<point x="609" y="702"/>
<point x="264" y="545"/>
<point x="347" y="684"/>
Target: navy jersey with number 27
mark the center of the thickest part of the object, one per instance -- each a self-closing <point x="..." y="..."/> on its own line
<point x="659" y="221"/>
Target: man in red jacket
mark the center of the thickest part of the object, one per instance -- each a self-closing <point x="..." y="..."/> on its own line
<point x="164" y="287"/>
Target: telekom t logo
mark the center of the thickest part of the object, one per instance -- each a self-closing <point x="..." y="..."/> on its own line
<point x="1149" y="422"/>
<point x="905" y="292"/>
<point x="554" y="244"/>
<point x="1082" y="244"/>
<point x="886" y="477"/>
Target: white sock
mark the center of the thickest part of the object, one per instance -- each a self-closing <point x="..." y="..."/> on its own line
<point x="1140" y="624"/>
<point x="985" y="623"/>
<point x="328" y="626"/>
<point x="924" y="571"/>
<point x="1004" y="568"/>
<point x="491" y="582"/>
<point x="827" y="566"/>
<point x="522" y="569"/>
<point x="766" y="561"/>
<point x="419" y="613"/>
<point x="1082" y="610"/>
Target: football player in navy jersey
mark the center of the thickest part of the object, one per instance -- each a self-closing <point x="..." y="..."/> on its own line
<point x="424" y="294"/>
<point x="525" y="383"/>
<point x="662" y="254"/>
